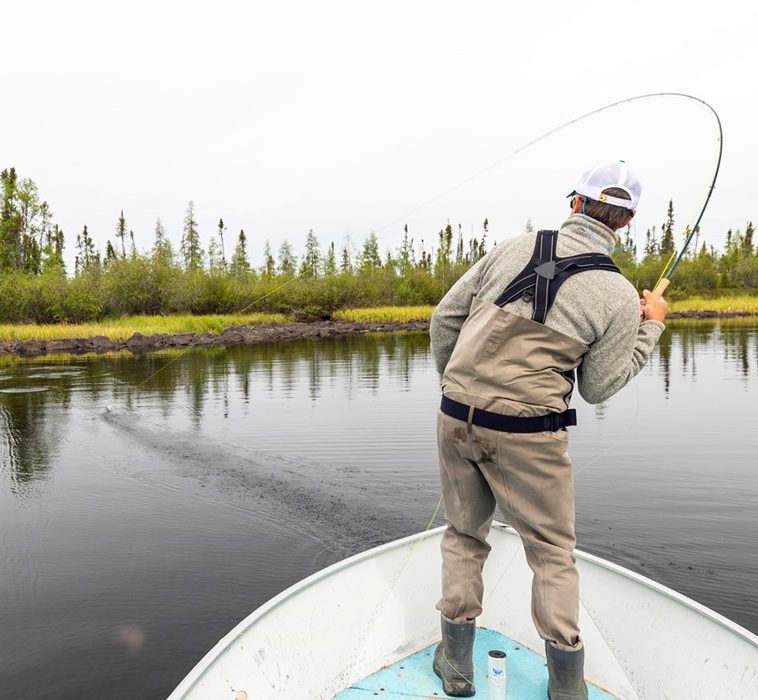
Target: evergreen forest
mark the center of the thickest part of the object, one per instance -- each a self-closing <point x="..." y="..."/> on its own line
<point x="228" y="275"/>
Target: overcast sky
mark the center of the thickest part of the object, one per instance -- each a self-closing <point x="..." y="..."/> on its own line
<point x="345" y="116"/>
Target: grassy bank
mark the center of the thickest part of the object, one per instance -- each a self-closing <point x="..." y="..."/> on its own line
<point x="720" y="305"/>
<point x="124" y="327"/>
<point x="385" y="314"/>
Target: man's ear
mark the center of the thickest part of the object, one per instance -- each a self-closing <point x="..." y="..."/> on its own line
<point x="629" y="220"/>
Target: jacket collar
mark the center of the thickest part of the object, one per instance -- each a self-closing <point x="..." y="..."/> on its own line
<point x="584" y="229"/>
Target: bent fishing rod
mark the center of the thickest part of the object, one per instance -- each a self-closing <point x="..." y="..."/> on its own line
<point x="668" y="271"/>
<point x="671" y="265"/>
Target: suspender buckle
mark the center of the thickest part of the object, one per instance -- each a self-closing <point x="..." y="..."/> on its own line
<point x="539" y="281"/>
<point x="546" y="269"/>
<point x="559" y="421"/>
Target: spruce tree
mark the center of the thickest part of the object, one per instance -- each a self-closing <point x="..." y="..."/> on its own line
<point x="405" y="255"/>
<point x="216" y="258"/>
<point x="121" y="233"/>
<point x="390" y="264"/>
<point x="221" y="229"/>
<point x="473" y="249"/>
<point x="423" y="262"/>
<point x="87" y="256"/>
<point x="240" y="264"/>
<point x="215" y="262"/>
<point x="78" y="257"/>
<point x="31" y="255"/>
<point x="369" y="258"/>
<point x="269" y="263"/>
<point x="442" y="262"/>
<point x="651" y="244"/>
<point x="110" y="253"/>
<point x="667" y="239"/>
<point x="191" y="250"/>
<point x="163" y="251"/>
<point x="628" y="242"/>
<point x="483" y="243"/>
<point x="287" y="259"/>
<point x="346" y="255"/>
<point x="311" y="264"/>
<point x="52" y="252"/>
<point x="747" y="239"/>
<point x="330" y="261"/>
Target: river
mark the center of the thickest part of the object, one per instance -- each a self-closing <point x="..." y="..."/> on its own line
<point x="149" y="504"/>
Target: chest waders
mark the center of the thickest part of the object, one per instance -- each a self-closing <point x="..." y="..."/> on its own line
<point x="515" y="374"/>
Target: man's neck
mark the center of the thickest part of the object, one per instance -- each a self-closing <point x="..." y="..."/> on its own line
<point x="584" y="226"/>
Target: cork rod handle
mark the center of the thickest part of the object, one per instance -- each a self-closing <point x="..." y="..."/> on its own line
<point x="661" y="288"/>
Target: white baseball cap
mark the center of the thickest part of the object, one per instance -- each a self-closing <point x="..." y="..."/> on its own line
<point x="614" y="174"/>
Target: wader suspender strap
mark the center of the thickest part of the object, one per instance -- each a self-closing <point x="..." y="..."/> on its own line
<point x="545" y="273"/>
<point x="538" y="282"/>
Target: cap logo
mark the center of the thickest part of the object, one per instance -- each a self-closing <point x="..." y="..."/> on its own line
<point x="603" y="197"/>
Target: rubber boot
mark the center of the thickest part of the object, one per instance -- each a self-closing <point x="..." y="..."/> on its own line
<point x="565" y="674"/>
<point x="453" y="658"/>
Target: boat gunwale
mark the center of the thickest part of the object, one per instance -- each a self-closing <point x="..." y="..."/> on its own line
<point x="228" y="639"/>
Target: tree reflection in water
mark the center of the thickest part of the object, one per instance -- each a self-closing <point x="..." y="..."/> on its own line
<point x="34" y="422"/>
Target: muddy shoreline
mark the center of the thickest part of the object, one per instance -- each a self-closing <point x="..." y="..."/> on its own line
<point x="140" y="344"/>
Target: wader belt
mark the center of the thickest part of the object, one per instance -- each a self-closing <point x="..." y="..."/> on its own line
<point x="545" y="273"/>
<point x="507" y="424"/>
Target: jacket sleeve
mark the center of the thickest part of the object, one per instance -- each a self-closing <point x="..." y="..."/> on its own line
<point x="616" y="357"/>
<point x="452" y="311"/>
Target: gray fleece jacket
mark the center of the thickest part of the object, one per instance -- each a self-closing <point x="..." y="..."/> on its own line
<point x="597" y="308"/>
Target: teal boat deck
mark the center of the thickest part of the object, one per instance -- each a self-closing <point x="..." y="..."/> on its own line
<point x="413" y="677"/>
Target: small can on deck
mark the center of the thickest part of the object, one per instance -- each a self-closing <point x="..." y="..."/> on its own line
<point x="497" y="675"/>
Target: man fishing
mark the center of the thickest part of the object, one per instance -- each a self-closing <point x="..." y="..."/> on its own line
<point x="510" y="339"/>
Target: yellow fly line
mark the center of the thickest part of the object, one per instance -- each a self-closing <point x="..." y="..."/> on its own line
<point x="664" y="270"/>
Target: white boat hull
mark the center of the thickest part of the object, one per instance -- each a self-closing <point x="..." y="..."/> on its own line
<point x="323" y="634"/>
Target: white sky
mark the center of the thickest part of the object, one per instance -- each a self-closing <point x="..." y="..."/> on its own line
<point x="344" y="116"/>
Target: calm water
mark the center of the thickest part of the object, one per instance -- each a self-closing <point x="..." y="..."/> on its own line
<point x="140" y="520"/>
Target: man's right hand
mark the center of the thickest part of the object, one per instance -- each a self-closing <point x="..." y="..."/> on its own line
<point x="653" y="309"/>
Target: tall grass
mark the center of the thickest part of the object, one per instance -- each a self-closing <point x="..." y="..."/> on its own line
<point x="385" y="314"/>
<point x="722" y="305"/>
<point x="125" y="327"/>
